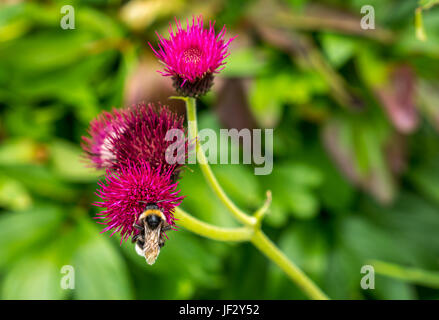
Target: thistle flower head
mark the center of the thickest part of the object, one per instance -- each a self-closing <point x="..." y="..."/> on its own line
<point x="136" y="134"/>
<point x="192" y="56"/>
<point x="124" y="195"/>
<point x="146" y="138"/>
<point x="103" y="131"/>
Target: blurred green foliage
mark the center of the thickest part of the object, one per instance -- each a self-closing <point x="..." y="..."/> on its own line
<point x="356" y="154"/>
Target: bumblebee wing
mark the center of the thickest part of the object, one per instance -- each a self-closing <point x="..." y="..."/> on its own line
<point x="151" y="249"/>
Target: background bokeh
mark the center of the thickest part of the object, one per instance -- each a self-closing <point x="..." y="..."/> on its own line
<point x="356" y="154"/>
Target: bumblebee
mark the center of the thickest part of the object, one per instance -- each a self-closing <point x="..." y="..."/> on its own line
<point x="152" y="225"/>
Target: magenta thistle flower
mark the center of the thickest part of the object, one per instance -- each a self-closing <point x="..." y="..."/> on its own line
<point x="146" y="139"/>
<point x="192" y="56"/>
<point x="103" y="131"/>
<point x="127" y="192"/>
<point x="137" y="134"/>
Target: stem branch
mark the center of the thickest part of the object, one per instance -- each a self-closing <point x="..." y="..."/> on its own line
<point x="251" y="232"/>
<point x="409" y="274"/>
<point x="260" y="213"/>
<point x="209" y="231"/>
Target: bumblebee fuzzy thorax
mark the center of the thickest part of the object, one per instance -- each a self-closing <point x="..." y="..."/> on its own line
<point x="153" y="217"/>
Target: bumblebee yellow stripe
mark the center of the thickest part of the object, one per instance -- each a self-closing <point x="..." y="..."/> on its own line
<point x="152" y="211"/>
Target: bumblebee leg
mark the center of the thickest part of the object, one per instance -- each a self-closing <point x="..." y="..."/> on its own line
<point x="166" y="227"/>
<point x="135" y="237"/>
<point x="161" y="241"/>
<point x="138" y="227"/>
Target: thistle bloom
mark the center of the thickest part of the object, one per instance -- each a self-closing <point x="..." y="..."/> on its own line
<point x="131" y="144"/>
<point x="136" y="134"/>
<point x="192" y="56"/>
<point x="125" y="194"/>
<point x="103" y="131"/>
<point x="146" y="139"/>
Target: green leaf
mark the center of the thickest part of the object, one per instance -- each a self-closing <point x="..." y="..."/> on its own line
<point x="22" y="231"/>
<point x="245" y="62"/>
<point x="33" y="278"/>
<point x="305" y="245"/>
<point x="266" y="105"/>
<point x="69" y="163"/>
<point x="203" y="204"/>
<point x="13" y="195"/>
<point x="277" y="214"/>
<point x="40" y="181"/>
<point x="368" y="241"/>
<point x="339" y="49"/>
<point x="425" y="178"/>
<point x="38" y="124"/>
<point x="391" y="289"/>
<point x="342" y="279"/>
<point x="292" y="186"/>
<point x="240" y="183"/>
<point x="412" y="223"/>
<point x="303" y="204"/>
<point x="372" y="68"/>
<point x="18" y="151"/>
<point x="49" y="51"/>
<point x="268" y="94"/>
<point x="100" y="271"/>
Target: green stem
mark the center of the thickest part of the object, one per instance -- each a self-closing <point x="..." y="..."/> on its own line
<point x="260" y="240"/>
<point x="205" y="168"/>
<point x="209" y="231"/>
<point x="267" y="247"/>
<point x="260" y="213"/>
<point x="414" y="275"/>
<point x="419" y="25"/>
